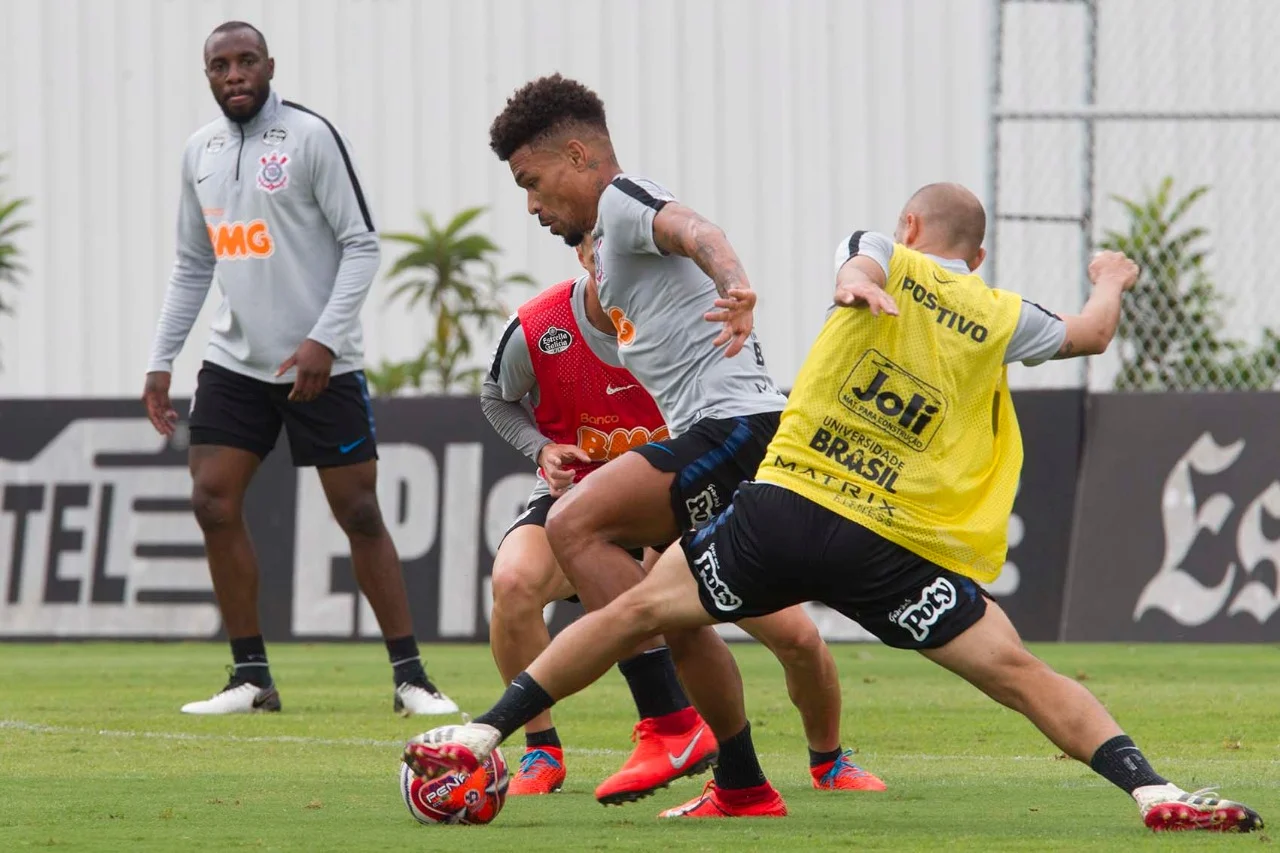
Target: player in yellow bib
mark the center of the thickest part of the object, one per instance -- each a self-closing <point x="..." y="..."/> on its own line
<point x="885" y="494"/>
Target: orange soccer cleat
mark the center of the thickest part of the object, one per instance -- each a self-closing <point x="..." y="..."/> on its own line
<point x="541" y="772"/>
<point x="760" y="801"/>
<point x="843" y="775"/>
<point x="667" y="748"/>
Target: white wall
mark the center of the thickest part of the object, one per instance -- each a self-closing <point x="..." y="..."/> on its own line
<point x="789" y="122"/>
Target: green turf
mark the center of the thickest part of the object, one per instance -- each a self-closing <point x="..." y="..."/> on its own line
<point x="95" y="756"/>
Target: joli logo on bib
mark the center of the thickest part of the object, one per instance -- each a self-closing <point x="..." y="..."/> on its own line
<point x="898" y="403"/>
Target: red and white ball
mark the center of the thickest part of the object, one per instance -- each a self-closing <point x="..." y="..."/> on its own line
<point x="458" y="797"/>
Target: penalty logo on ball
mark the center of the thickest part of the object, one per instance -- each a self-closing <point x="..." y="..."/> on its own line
<point x="455" y="798"/>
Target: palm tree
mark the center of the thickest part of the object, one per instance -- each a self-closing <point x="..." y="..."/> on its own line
<point x="10" y="269"/>
<point x="1171" y="324"/>
<point x="453" y="273"/>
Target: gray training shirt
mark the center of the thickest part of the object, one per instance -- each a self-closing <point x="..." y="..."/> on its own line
<point x="662" y="299"/>
<point x="1038" y="335"/>
<point x="275" y="209"/>
<point x="510" y="389"/>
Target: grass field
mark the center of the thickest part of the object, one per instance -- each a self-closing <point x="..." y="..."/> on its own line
<point x="95" y="756"/>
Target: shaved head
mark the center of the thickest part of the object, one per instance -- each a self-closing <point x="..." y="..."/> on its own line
<point x="945" y="220"/>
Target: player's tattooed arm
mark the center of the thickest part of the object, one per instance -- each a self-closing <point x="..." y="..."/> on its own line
<point x="678" y="230"/>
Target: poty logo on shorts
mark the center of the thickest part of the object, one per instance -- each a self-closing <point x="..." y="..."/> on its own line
<point x="709" y="573"/>
<point x="935" y="599"/>
<point x="702" y="506"/>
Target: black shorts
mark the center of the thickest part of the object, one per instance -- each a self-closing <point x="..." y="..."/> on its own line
<point x="709" y="462"/>
<point x="535" y="514"/>
<point x="336" y="428"/>
<point x="773" y="548"/>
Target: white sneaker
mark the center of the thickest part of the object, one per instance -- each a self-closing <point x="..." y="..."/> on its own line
<point x="415" y="700"/>
<point x="238" y="697"/>
<point x="452" y="748"/>
<point x="1168" y="807"/>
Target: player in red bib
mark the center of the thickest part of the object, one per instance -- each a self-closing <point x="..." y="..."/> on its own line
<point x="556" y="393"/>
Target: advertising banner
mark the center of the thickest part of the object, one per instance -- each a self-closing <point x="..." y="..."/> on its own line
<point x="1177" y="535"/>
<point x="97" y="537"/>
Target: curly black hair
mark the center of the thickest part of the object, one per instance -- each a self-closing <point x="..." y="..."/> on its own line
<point x="540" y="107"/>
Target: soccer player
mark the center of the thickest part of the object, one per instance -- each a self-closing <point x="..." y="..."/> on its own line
<point x="558" y="357"/>
<point x="664" y="276"/>
<point x="272" y="204"/>
<point x="886" y="494"/>
<point x="554" y="359"/>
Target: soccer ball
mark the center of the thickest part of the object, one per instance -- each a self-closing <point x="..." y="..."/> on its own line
<point x="458" y="797"/>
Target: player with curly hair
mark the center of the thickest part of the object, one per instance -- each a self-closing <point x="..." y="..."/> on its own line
<point x="663" y="272"/>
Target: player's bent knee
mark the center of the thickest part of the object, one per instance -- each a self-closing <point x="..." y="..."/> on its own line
<point x="566" y="527"/>
<point x="518" y="586"/>
<point x="790" y="634"/>
<point x="215" y="508"/>
<point x="361" y="517"/>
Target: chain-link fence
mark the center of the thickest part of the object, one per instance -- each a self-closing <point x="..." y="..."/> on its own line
<point x="1150" y="126"/>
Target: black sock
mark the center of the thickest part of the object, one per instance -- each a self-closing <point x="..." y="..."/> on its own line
<point x="524" y="700"/>
<point x="533" y="740"/>
<point x="738" y="766"/>
<point x="817" y="759"/>
<point x="655" y="687"/>
<point x="406" y="665"/>
<point x="1123" y="765"/>
<point x="250" y="656"/>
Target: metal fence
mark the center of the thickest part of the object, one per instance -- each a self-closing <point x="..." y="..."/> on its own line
<point x="1149" y="126"/>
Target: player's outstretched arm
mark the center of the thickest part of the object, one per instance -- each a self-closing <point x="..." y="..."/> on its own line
<point x="860" y="284"/>
<point x="1090" y="332"/>
<point x="679" y="230"/>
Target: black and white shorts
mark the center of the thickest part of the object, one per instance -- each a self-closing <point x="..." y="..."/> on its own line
<point x="709" y="462"/>
<point x="772" y="548"/>
<point x="233" y="410"/>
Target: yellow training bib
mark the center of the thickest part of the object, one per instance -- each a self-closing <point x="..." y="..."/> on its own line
<point x="904" y="424"/>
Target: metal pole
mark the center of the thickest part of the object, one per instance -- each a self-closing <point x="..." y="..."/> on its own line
<point x="993" y="125"/>
<point x="1090" y="145"/>
<point x="1103" y="114"/>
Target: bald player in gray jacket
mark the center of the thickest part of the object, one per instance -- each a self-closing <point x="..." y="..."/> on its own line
<point x="271" y="204"/>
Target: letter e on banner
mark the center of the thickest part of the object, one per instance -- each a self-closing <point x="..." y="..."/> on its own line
<point x="1172" y="589"/>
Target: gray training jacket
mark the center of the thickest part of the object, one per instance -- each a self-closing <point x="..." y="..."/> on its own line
<point x="275" y="209"/>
